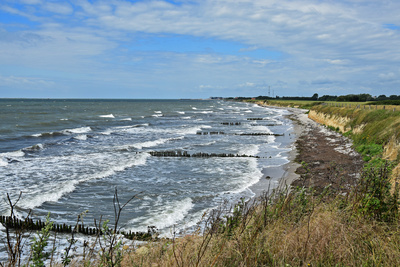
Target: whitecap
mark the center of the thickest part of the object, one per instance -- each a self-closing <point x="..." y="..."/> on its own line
<point x="126" y="119"/>
<point x="158" y="111"/>
<point x="107" y="116"/>
<point x="34" y="147"/>
<point x="13" y="154"/>
<point x="249" y="149"/>
<point x="166" y="215"/>
<point x="3" y="162"/>
<point x="150" y="143"/>
<point x="99" y="166"/>
<point x="81" y="137"/>
<point x="181" y="112"/>
<point x="78" y="130"/>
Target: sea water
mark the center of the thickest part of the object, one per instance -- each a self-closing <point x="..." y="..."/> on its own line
<point x="69" y="156"/>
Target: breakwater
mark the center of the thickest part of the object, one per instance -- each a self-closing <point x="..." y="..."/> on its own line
<point x="28" y="224"/>
<point x="179" y="153"/>
<point x="242" y="134"/>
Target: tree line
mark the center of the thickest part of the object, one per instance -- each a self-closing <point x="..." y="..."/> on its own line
<point x="316" y="97"/>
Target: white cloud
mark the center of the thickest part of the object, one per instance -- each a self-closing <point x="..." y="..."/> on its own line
<point x="343" y="40"/>
<point x="26" y="82"/>
<point x="60" y="8"/>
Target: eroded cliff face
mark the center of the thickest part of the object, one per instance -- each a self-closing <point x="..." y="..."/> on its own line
<point x="330" y="120"/>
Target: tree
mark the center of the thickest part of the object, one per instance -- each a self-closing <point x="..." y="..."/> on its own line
<point x="314" y="97"/>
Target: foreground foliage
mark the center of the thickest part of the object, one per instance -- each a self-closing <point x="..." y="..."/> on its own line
<point x="294" y="229"/>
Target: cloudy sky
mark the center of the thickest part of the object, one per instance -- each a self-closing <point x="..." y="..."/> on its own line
<point x="198" y="48"/>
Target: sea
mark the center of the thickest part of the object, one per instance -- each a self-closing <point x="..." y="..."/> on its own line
<point x="69" y="156"/>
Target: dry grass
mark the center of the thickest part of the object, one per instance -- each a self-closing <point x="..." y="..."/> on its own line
<point x="298" y="229"/>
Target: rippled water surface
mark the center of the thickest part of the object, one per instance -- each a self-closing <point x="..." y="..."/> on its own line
<point x="68" y="156"/>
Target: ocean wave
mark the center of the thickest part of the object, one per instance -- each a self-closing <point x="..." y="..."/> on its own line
<point x="34" y="147"/>
<point x="181" y="112"/>
<point x="98" y="166"/>
<point x="81" y="137"/>
<point x="247" y="149"/>
<point x="165" y="215"/>
<point x="77" y="130"/>
<point x="3" y="162"/>
<point x="107" y="116"/>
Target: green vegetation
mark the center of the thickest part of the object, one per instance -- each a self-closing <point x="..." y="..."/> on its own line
<point x="378" y="125"/>
<point x="386" y="102"/>
<point x="284" y="228"/>
<point x="293" y="229"/>
<point x="300" y="228"/>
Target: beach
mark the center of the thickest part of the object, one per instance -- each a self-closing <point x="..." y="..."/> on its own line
<point x="327" y="158"/>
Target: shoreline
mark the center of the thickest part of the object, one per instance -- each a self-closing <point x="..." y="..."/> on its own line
<point x="286" y="174"/>
<point x="327" y="154"/>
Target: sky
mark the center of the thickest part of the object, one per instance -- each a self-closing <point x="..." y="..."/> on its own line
<point x="198" y="48"/>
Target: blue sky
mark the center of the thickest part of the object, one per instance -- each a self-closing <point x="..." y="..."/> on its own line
<point x="198" y="48"/>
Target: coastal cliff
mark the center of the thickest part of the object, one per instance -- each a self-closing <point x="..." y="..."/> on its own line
<point x="380" y="127"/>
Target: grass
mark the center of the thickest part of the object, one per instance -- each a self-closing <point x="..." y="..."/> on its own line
<point x="291" y="229"/>
<point x="299" y="228"/>
<point x="378" y="125"/>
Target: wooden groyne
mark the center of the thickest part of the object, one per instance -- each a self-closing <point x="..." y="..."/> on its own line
<point x="209" y="133"/>
<point x="198" y="155"/>
<point x="256" y="134"/>
<point x="36" y="225"/>
<point x="213" y="133"/>
<point x="231" y="123"/>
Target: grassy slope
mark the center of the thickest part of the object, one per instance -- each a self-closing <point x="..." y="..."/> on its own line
<point x="300" y="228"/>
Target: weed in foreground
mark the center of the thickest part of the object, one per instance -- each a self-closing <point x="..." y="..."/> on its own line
<point x="296" y="228"/>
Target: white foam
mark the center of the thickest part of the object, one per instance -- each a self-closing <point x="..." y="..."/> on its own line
<point x="181" y="112"/>
<point x="60" y="175"/>
<point x="81" y="137"/>
<point x="158" y="111"/>
<point x="151" y="143"/>
<point x="52" y="195"/>
<point x="205" y="112"/>
<point x="3" y="162"/>
<point x="251" y="150"/>
<point x="107" y="116"/>
<point x="126" y="119"/>
<point x="194" y="108"/>
<point x="77" y="130"/>
<point x="13" y="154"/>
<point x="157" y="115"/>
<point x="34" y="147"/>
<point x="63" y="119"/>
<point x="165" y="215"/>
<point x="186" y="118"/>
